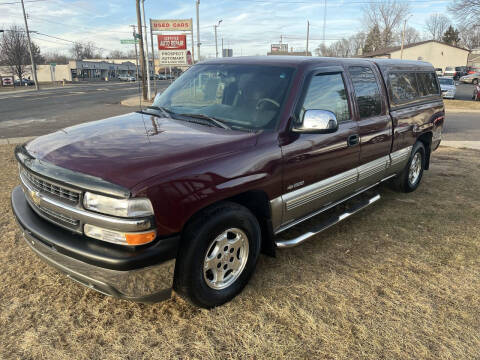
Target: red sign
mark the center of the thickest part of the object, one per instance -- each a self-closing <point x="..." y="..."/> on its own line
<point x="172" y="42"/>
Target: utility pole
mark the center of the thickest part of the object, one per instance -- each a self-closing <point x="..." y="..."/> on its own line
<point x="222" y="46"/>
<point x="216" y="42"/>
<point x="308" y="33"/>
<point x="142" y="55"/>
<point x="136" y="52"/>
<point x="153" y="58"/>
<point x="149" y="91"/>
<point x="34" y="70"/>
<point x="403" y="38"/>
<point x="198" y="31"/>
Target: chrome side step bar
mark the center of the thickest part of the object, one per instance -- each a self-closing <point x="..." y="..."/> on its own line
<point x="325" y="225"/>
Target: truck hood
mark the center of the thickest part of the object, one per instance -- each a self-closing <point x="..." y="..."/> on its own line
<point x="131" y="148"/>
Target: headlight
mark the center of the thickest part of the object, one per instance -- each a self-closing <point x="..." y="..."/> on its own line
<point x="117" y="207"/>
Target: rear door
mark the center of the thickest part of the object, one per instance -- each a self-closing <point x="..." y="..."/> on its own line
<point x="374" y="122"/>
<point x="321" y="168"/>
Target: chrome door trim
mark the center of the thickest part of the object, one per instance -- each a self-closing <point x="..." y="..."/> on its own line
<point x="390" y="165"/>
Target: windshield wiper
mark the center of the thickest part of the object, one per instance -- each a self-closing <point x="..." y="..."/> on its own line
<point x="165" y="111"/>
<point x="215" y="121"/>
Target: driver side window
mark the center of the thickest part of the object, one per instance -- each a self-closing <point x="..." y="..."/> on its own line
<point x="327" y="92"/>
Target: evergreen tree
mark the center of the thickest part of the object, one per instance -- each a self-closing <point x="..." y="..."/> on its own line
<point x="451" y="36"/>
<point x="373" y="41"/>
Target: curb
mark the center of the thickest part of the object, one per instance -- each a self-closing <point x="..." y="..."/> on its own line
<point x="135" y="101"/>
<point x="474" y="145"/>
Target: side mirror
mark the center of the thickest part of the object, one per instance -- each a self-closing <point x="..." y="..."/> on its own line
<point x="317" y="122"/>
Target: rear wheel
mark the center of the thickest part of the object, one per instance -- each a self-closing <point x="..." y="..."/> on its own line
<point x="409" y="179"/>
<point x="218" y="255"/>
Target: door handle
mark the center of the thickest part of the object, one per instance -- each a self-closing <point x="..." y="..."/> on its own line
<point x="353" y="140"/>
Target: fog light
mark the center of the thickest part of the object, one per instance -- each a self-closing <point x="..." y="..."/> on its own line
<point x="117" y="237"/>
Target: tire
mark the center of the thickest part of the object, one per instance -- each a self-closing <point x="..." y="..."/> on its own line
<point x="217" y="231"/>
<point x="409" y="180"/>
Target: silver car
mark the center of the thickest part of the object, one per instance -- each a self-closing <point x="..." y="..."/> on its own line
<point x="471" y="78"/>
<point x="447" y="85"/>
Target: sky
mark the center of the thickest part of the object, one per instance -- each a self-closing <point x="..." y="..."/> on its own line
<point x="248" y="26"/>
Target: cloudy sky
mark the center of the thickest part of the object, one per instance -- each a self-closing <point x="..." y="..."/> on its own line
<point x="248" y="26"/>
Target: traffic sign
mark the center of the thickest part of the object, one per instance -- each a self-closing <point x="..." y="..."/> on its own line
<point x="53" y="64"/>
<point x="129" y="41"/>
<point x="137" y="36"/>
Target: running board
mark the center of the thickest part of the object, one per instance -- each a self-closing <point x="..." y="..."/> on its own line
<point x="325" y="225"/>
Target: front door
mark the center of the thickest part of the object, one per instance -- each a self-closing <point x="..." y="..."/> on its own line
<point x="321" y="168"/>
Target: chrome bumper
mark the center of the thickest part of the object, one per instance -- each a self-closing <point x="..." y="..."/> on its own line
<point x="143" y="274"/>
<point x="149" y="285"/>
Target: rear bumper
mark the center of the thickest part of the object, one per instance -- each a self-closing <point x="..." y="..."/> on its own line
<point x="144" y="274"/>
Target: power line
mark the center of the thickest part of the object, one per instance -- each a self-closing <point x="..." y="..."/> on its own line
<point x="19" y="2"/>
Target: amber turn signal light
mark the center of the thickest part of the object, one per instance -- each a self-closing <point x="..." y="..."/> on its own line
<point x="139" y="239"/>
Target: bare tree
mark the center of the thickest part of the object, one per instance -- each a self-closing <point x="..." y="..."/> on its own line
<point x="388" y="16"/>
<point x="55" y="57"/>
<point x="85" y="50"/>
<point x="346" y="47"/>
<point x="412" y="36"/>
<point x="467" y="12"/>
<point x="436" y="25"/>
<point x="469" y="36"/>
<point x="117" y="54"/>
<point x="14" y="51"/>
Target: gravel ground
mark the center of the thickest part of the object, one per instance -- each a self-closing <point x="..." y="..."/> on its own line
<point x="399" y="280"/>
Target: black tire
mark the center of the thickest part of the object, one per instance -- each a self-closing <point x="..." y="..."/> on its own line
<point x="190" y="281"/>
<point x="475" y="81"/>
<point x="402" y="181"/>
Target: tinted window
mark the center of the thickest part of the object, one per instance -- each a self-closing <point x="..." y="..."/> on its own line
<point x="327" y="92"/>
<point x="445" y="81"/>
<point x="366" y="91"/>
<point x="403" y="87"/>
<point x="427" y="84"/>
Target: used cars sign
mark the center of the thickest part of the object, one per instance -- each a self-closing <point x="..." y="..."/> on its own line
<point x="172" y="42"/>
<point x="171" y="25"/>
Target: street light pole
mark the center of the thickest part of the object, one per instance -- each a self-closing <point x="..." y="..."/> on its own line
<point x="308" y="33"/>
<point x="198" y="31"/>
<point x="403" y="36"/>
<point x="34" y="70"/>
<point x="136" y="52"/>
<point x="216" y="42"/>
<point x="149" y="91"/>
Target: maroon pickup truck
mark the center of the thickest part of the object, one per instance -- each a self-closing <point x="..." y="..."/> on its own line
<point x="186" y="193"/>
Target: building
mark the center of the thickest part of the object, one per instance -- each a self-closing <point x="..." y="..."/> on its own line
<point x="439" y="54"/>
<point x="77" y="70"/>
<point x="290" y="53"/>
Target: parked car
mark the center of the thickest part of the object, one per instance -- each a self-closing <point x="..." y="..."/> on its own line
<point x="127" y="78"/>
<point x="447" y="86"/>
<point x="460" y="71"/>
<point x="471" y="78"/>
<point x="473" y="70"/>
<point x="187" y="193"/>
<point x="439" y="71"/>
<point x="24" y="82"/>
<point x="450" y="71"/>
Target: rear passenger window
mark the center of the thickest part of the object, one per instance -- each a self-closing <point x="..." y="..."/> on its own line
<point x="367" y="92"/>
<point x="327" y="92"/>
<point x="427" y="84"/>
<point x="403" y="87"/>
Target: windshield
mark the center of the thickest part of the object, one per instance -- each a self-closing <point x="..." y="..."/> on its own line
<point x="449" y="68"/>
<point x="241" y="96"/>
<point x="446" y="82"/>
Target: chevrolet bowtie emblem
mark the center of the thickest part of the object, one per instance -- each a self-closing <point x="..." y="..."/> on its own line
<point x="35" y="197"/>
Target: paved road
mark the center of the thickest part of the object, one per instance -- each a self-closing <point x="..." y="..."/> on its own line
<point x="32" y="113"/>
<point x="462" y="126"/>
<point x="36" y="113"/>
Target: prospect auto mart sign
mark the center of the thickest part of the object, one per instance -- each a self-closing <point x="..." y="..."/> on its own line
<point x="172" y="42"/>
<point x="173" y="57"/>
<point x="171" y="25"/>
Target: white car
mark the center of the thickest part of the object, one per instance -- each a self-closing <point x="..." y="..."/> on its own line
<point x="447" y="85"/>
<point x="126" y="78"/>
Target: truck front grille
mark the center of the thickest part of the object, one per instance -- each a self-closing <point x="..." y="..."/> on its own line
<point x="47" y="187"/>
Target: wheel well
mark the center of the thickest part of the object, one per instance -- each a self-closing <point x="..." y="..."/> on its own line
<point x="258" y="203"/>
<point x="426" y="139"/>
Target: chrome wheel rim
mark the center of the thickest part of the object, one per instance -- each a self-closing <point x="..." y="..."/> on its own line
<point x="415" y="169"/>
<point x="225" y="258"/>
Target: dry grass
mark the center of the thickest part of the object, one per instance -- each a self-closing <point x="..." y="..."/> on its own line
<point x="465" y="105"/>
<point x="400" y="280"/>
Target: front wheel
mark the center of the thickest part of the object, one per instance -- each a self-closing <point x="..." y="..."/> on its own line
<point x="409" y="179"/>
<point x="218" y="255"/>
